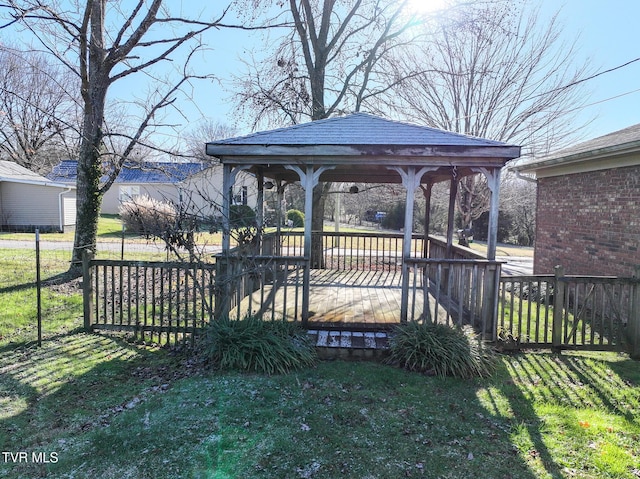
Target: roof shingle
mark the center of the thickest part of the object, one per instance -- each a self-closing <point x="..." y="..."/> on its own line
<point x="12" y="172"/>
<point x="148" y="172"/>
<point x="357" y="129"/>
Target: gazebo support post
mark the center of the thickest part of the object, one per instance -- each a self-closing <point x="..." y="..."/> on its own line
<point x="492" y="277"/>
<point x="309" y="179"/>
<point x="426" y="191"/>
<point x="411" y="181"/>
<point x="260" y="209"/>
<point x="229" y="174"/>
<point x="280" y="186"/>
<point x="223" y="264"/>
<point x="227" y="183"/>
<point x="493" y="182"/>
<point x="453" y="193"/>
<point x="492" y="238"/>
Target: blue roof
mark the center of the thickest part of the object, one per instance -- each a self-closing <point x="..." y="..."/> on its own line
<point x="147" y="172"/>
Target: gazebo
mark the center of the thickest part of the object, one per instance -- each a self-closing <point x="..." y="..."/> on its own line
<point x="365" y="148"/>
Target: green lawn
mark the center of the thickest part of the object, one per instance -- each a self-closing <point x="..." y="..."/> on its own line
<point x="61" y="303"/>
<point x="105" y="408"/>
<point x="99" y="406"/>
<point x="109" y="229"/>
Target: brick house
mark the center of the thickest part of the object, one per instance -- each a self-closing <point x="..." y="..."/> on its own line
<point x="588" y="206"/>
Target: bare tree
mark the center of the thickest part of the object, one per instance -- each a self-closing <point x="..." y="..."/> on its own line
<point x="324" y="64"/>
<point x="518" y="200"/>
<point x="38" y="110"/>
<point x="204" y="132"/>
<point x="103" y="43"/>
<point x="494" y="70"/>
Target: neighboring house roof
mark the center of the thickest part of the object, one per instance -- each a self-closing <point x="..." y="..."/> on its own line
<point x="357" y="129"/>
<point x="143" y="173"/>
<point x="614" y="150"/>
<point x="14" y="173"/>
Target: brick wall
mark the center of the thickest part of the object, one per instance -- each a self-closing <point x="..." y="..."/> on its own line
<point x="589" y="222"/>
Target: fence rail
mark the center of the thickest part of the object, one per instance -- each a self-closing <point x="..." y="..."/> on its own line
<point x="347" y="251"/>
<point x="249" y="285"/>
<point x="569" y="312"/>
<point x="161" y="302"/>
<point x="454" y="291"/>
<point x="168" y="301"/>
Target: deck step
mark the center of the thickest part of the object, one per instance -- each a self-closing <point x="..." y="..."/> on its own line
<point x="355" y="345"/>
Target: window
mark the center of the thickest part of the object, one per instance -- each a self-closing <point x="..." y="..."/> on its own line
<point x="239" y="196"/>
<point x="128" y="192"/>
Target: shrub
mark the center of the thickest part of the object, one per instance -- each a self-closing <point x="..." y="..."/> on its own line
<point x="441" y="350"/>
<point x="242" y="216"/>
<point x="296" y="217"/>
<point x="271" y="347"/>
<point x="147" y="216"/>
<point x="394" y="219"/>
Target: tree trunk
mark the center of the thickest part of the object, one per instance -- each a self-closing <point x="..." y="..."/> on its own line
<point x="95" y="83"/>
<point x="317" y="225"/>
<point x="88" y="196"/>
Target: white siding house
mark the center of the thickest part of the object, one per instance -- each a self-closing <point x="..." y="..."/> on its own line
<point x="29" y="201"/>
<point x="200" y="184"/>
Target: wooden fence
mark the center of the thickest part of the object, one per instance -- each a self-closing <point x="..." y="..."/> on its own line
<point x="570" y="312"/>
<point x="162" y="302"/>
<point x="454" y="291"/>
<point x="248" y="286"/>
<point x="169" y="301"/>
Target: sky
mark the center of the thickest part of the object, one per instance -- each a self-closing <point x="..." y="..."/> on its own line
<point x="606" y="34"/>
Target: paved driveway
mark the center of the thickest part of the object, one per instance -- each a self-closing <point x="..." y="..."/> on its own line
<point x="516" y="265"/>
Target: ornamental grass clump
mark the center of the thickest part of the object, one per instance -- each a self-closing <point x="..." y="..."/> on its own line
<point x="441" y="350"/>
<point x="254" y="345"/>
<point x="147" y="216"/>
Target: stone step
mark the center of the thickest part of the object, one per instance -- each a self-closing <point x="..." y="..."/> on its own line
<point x="355" y="345"/>
<point x="349" y="339"/>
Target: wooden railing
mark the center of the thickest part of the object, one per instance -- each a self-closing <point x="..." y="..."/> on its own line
<point x="463" y="287"/>
<point x="168" y="301"/>
<point x="165" y="302"/>
<point x="162" y="302"/>
<point x="454" y="291"/>
<point x="570" y="312"/>
<point x="364" y="251"/>
<point x="437" y="248"/>
<point x="248" y="285"/>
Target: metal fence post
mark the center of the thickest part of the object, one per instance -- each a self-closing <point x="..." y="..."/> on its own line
<point x="558" y="308"/>
<point x="38" y="288"/>
<point x="87" y="289"/>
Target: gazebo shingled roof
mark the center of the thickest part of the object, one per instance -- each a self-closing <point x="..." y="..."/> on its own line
<point x="360" y="147"/>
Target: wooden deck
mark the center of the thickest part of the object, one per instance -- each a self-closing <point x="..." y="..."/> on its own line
<point x="359" y="297"/>
<point x="338" y="299"/>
